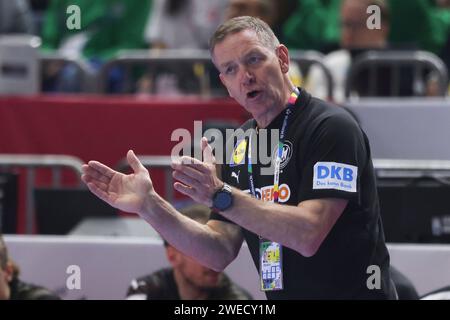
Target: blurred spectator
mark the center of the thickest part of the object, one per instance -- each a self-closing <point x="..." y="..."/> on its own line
<point x="266" y="10"/>
<point x="419" y="24"/>
<point x="444" y="11"/>
<point x="187" y="279"/>
<point x="15" y="17"/>
<point x="285" y="8"/>
<point x="317" y="21"/>
<point x="445" y="56"/>
<point x="356" y="39"/>
<point x="107" y="26"/>
<point x="182" y="24"/>
<point x="11" y="287"/>
<point x="354" y="31"/>
<point x="38" y="7"/>
<point x="313" y="26"/>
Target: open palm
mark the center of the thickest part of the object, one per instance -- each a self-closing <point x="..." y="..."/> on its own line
<point x="124" y="192"/>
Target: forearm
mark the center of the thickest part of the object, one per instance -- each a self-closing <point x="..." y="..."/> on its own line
<point x="292" y="226"/>
<point x="194" y="239"/>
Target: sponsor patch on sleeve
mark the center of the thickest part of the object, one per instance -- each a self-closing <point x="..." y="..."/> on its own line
<point x="337" y="176"/>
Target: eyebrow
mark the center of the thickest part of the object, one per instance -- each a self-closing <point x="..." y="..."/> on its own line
<point x="252" y="51"/>
<point x="225" y="64"/>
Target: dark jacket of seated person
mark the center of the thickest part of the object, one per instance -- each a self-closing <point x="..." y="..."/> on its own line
<point x="25" y="291"/>
<point x="161" y="285"/>
<point x="187" y="279"/>
<point x="11" y="287"/>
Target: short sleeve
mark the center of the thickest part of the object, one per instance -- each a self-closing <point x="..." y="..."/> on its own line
<point x="334" y="160"/>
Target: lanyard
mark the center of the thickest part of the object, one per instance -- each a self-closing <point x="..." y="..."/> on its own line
<point x="276" y="179"/>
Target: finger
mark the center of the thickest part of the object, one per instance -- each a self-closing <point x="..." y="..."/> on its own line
<point x="134" y="162"/>
<point x="100" y="167"/>
<point x="176" y="160"/>
<point x="191" y="172"/>
<point x="177" y="175"/>
<point x="88" y="179"/>
<point x="84" y="170"/>
<point x="189" y="160"/>
<point x="194" y="164"/>
<point x="187" y="191"/>
<point x="94" y="174"/>
<point x="98" y="192"/>
<point x="208" y="156"/>
<point x="85" y="178"/>
<point x="196" y="169"/>
<point x="176" y="163"/>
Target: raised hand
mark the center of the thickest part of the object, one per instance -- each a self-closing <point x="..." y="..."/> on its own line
<point x="125" y="192"/>
<point x="197" y="179"/>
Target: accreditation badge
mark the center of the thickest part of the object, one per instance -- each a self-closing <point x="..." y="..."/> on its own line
<point x="271" y="268"/>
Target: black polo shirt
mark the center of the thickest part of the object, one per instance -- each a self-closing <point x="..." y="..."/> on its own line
<point x="325" y="155"/>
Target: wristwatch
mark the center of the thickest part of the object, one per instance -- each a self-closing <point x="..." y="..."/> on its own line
<point x="223" y="198"/>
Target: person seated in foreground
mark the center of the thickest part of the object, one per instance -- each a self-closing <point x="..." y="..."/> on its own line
<point x="186" y="279"/>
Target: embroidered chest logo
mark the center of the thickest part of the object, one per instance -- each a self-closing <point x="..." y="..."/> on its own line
<point x="238" y="156"/>
<point x="286" y="154"/>
<point x="236" y="175"/>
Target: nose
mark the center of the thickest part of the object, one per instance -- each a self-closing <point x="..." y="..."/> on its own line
<point x="247" y="78"/>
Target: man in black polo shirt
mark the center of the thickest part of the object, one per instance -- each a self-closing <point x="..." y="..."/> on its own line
<point x="317" y="234"/>
<point x="326" y="156"/>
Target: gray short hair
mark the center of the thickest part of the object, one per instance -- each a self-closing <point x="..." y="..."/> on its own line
<point x="238" y="24"/>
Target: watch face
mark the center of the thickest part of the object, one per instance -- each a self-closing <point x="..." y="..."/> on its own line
<point x="223" y="200"/>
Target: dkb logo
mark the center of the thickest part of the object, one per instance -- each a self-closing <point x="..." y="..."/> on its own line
<point x="332" y="175"/>
<point x="335" y="173"/>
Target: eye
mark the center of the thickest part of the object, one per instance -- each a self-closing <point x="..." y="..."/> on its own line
<point x="229" y="70"/>
<point x="253" y="59"/>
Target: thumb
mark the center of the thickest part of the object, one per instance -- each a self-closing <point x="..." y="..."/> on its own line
<point x="134" y="162"/>
<point x="208" y="156"/>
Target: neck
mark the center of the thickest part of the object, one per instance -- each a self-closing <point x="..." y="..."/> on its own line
<point x="187" y="290"/>
<point x="265" y="119"/>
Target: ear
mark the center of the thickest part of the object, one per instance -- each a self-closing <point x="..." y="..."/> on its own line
<point x="283" y="58"/>
<point x="172" y="255"/>
<point x="9" y="271"/>
<point x="224" y="82"/>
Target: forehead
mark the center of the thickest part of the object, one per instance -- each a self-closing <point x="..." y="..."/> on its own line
<point x="352" y="6"/>
<point x="236" y="44"/>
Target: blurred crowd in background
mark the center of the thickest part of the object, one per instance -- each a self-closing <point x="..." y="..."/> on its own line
<point x="327" y="26"/>
<point x="336" y="30"/>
